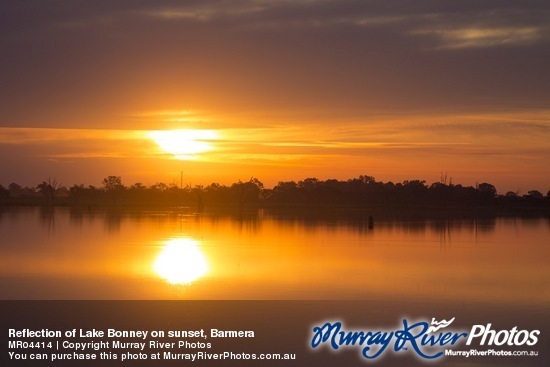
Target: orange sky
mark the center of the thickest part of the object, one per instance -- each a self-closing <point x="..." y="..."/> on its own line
<point x="290" y="90"/>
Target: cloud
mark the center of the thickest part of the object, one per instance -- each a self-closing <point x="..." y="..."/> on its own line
<point x="172" y="118"/>
<point x="477" y="27"/>
<point x="484" y="37"/>
<point x="205" y="12"/>
<point x="21" y="135"/>
<point x="229" y="58"/>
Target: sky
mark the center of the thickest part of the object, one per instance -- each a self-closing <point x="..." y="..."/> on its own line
<point x="221" y="91"/>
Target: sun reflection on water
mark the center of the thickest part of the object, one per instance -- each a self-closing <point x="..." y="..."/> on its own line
<point x="181" y="261"/>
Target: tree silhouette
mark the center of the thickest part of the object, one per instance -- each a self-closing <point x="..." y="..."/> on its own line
<point x="487" y="190"/>
<point x="4" y="193"/>
<point x="76" y="192"/>
<point x="113" y="185"/>
<point x="246" y="192"/>
<point x="198" y="191"/>
<point x="362" y="194"/>
<point x="15" y="189"/>
<point x="49" y="189"/>
<point x="535" y="194"/>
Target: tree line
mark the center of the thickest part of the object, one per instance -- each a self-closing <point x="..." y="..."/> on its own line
<point x="360" y="192"/>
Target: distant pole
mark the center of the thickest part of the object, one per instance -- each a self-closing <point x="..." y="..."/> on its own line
<point x="181" y="180"/>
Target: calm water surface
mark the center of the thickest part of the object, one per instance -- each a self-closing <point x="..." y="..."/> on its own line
<point x="63" y="254"/>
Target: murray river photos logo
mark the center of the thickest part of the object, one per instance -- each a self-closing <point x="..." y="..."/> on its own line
<point x="426" y="340"/>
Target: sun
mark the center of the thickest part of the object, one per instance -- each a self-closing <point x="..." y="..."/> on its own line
<point x="184" y="144"/>
<point x="181" y="261"/>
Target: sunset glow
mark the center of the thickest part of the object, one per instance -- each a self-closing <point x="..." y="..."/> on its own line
<point x="224" y="92"/>
<point x="184" y="144"/>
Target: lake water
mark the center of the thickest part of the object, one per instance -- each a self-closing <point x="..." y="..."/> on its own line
<point x="309" y="271"/>
<point x="65" y="254"/>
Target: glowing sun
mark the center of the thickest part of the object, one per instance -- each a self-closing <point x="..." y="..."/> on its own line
<point x="184" y="144"/>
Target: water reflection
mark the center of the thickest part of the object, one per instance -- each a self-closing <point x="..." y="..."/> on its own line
<point x="47" y="218"/>
<point x="181" y="261"/>
<point x="142" y="255"/>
